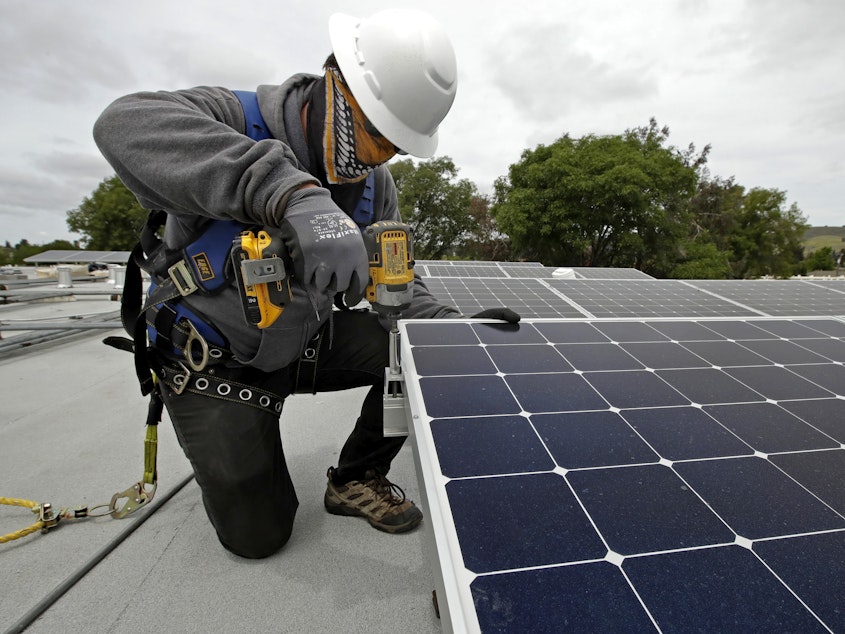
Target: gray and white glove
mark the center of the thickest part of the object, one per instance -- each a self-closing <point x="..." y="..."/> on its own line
<point x="324" y="244"/>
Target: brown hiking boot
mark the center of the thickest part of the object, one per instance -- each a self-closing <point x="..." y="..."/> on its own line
<point x="375" y="498"/>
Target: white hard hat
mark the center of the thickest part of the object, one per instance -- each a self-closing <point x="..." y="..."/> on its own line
<point x="401" y="69"/>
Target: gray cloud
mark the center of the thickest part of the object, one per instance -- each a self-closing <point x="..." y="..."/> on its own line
<point x="545" y="75"/>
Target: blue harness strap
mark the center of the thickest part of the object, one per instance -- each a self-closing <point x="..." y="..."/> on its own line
<point x="256" y="127"/>
<point x="257" y="130"/>
<point x="364" y="211"/>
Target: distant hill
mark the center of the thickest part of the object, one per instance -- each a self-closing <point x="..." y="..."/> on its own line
<point x="818" y="237"/>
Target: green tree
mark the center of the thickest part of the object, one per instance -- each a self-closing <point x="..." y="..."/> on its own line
<point x="760" y="234"/>
<point x="435" y="204"/>
<point x="24" y="249"/>
<point x="617" y="200"/>
<point x="110" y="219"/>
<point x="701" y="260"/>
<point x="485" y="241"/>
<point x="822" y="259"/>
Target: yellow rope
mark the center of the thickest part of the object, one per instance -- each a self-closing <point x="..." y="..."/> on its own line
<point x="33" y="506"/>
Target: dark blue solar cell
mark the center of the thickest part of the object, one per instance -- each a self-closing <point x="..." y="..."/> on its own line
<point x="785" y="352"/>
<point x="591" y="439"/>
<point x="569" y="332"/>
<point x="664" y="355"/>
<point x="827" y="415"/>
<point x="528" y="358"/>
<point x="598" y="356"/>
<point x="813" y="566"/>
<point x="554" y="392"/>
<point x="829" y="376"/>
<point x="585" y="598"/>
<point x="445" y="360"/>
<point x="629" y="331"/>
<point x="507" y="333"/>
<point x="647" y="508"/>
<point x="438" y="333"/>
<point x="685" y="331"/>
<point x="756" y="499"/>
<point x="779" y="383"/>
<point x="725" y="353"/>
<point x="684" y="433"/>
<point x="466" y="396"/>
<point x="635" y="388"/>
<point x="769" y="428"/>
<point x="724" y="589"/>
<point x="524" y="520"/>
<point x="708" y="386"/>
<point x="822" y="472"/>
<point x="487" y="446"/>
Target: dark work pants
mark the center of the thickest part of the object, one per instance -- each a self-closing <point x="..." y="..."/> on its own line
<point x="236" y="450"/>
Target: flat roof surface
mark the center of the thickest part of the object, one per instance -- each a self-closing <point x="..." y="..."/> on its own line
<point x="72" y="433"/>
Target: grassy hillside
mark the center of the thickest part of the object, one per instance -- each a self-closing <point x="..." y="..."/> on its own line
<point x="818" y="237"/>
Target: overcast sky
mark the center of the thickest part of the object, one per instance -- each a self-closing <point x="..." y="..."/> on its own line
<point x="761" y="81"/>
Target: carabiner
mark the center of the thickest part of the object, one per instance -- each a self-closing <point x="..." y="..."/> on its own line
<point x="136" y="496"/>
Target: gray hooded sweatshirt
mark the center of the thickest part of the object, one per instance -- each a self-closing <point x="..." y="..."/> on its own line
<point x="185" y="152"/>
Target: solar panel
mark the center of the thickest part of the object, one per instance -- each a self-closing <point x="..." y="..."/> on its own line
<point x="464" y="270"/>
<point x="528" y="297"/>
<point x="646" y="298"/>
<point x="633" y="474"/>
<point x="609" y="273"/>
<point x="59" y="256"/>
<point x="780" y="297"/>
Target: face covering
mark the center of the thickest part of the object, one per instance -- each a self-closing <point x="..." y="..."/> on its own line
<point x="352" y="147"/>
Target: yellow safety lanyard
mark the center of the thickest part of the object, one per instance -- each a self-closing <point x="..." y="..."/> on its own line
<point x="122" y="503"/>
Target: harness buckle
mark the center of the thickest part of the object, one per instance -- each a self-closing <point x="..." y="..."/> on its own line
<point x="182" y="277"/>
<point x="180" y="381"/>
<point x="195" y="337"/>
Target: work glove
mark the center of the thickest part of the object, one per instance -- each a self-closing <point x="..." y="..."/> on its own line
<point x="504" y="314"/>
<point x="325" y="245"/>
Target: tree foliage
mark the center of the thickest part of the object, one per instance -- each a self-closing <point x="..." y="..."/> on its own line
<point x="110" y="219"/>
<point x="435" y="204"/>
<point x="17" y="254"/>
<point x="822" y="259"/>
<point x="600" y="200"/>
<point x="760" y="235"/>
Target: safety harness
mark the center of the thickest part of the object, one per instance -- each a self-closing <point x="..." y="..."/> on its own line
<point x="204" y="266"/>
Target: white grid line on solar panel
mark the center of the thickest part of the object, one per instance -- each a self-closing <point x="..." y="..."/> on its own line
<point x="528" y="297"/>
<point x="721" y="409"/>
<point x="646" y="298"/>
<point x="777" y="297"/>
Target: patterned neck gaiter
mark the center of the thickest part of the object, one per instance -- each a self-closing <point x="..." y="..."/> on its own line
<point x="352" y="147"/>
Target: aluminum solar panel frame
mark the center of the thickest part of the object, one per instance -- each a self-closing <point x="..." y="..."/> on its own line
<point x="632" y="474"/>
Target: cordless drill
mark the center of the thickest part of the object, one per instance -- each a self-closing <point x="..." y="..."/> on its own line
<point x="390" y="289"/>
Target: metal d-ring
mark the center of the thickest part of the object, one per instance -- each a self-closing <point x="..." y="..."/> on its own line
<point x="195" y="337"/>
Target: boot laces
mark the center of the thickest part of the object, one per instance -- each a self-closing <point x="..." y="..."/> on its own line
<point x="385" y="489"/>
